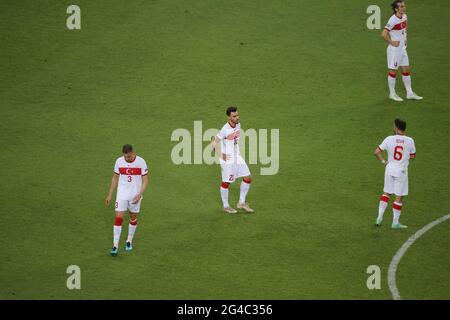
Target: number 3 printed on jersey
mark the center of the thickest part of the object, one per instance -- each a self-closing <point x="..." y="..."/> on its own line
<point x="398" y="153"/>
<point x="129" y="179"/>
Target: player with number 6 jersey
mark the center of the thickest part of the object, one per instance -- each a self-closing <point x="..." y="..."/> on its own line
<point x="400" y="149"/>
<point x="130" y="178"/>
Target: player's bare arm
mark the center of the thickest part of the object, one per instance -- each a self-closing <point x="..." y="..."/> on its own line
<point x="378" y="155"/>
<point x="214" y="143"/>
<point x="141" y="192"/>
<point x="406" y="38"/>
<point x="114" y="182"/>
<point x="386" y="36"/>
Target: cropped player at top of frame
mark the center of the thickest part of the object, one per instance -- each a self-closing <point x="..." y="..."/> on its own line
<point x="395" y="34"/>
<point x="130" y="178"/>
<point x="231" y="162"/>
<point x="400" y="148"/>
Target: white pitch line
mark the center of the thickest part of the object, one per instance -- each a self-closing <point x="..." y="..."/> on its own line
<point x="398" y="256"/>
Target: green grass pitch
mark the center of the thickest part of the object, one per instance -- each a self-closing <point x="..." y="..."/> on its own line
<point x="137" y="70"/>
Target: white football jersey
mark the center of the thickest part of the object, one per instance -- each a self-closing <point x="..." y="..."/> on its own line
<point x="397" y="28"/>
<point x="130" y="177"/>
<point x="230" y="140"/>
<point x="400" y="149"/>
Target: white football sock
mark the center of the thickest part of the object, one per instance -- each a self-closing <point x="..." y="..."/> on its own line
<point x="384" y="201"/>
<point x="131" y="230"/>
<point x="391" y="83"/>
<point x="244" y="190"/>
<point x="397" y="209"/>
<point x="224" y="195"/>
<point x="117" y="231"/>
<point x="407" y="82"/>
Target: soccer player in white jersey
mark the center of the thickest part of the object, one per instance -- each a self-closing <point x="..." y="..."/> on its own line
<point x="395" y="34"/>
<point x="232" y="164"/>
<point x="400" y="149"/>
<point x="130" y="178"/>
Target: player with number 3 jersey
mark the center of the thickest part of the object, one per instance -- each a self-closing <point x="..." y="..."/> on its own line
<point x="400" y="149"/>
<point x="130" y="177"/>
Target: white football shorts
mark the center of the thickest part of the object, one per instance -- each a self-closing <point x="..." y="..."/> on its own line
<point x="397" y="185"/>
<point x="397" y="57"/>
<point x="231" y="170"/>
<point x="126" y="205"/>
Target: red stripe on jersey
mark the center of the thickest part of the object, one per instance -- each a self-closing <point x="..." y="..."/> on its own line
<point x="400" y="26"/>
<point x="130" y="171"/>
<point x="397" y="206"/>
<point x="234" y="135"/>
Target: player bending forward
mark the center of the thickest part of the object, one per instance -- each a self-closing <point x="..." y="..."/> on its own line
<point x="130" y="178"/>
<point x="395" y="34"/>
<point x="400" y="149"/>
<point x="232" y="164"/>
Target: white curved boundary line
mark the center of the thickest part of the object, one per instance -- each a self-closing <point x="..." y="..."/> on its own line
<point x="398" y="256"/>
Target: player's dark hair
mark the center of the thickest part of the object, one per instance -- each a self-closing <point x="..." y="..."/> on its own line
<point x="127" y="148"/>
<point x="400" y="124"/>
<point x="230" y="110"/>
<point x="395" y="4"/>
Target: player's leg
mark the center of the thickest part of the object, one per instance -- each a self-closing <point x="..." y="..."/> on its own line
<point x="224" y="186"/>
<point x="397" y="210"/>
<point x="392" y="77"/>
<point x="392" y="59"/>
<point x="406" y="77"/>
<point x="132" y="225"/>
<point x="388" y="189"/>
<point x="228" y="177"/>
<point x="400" y="190"/>
<point x="384" y="202"/>
<point x="245" y="187"/>
<point x="117" y="228"/>
<point x="244" y="172"/>
<point x="133" y="210"/>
